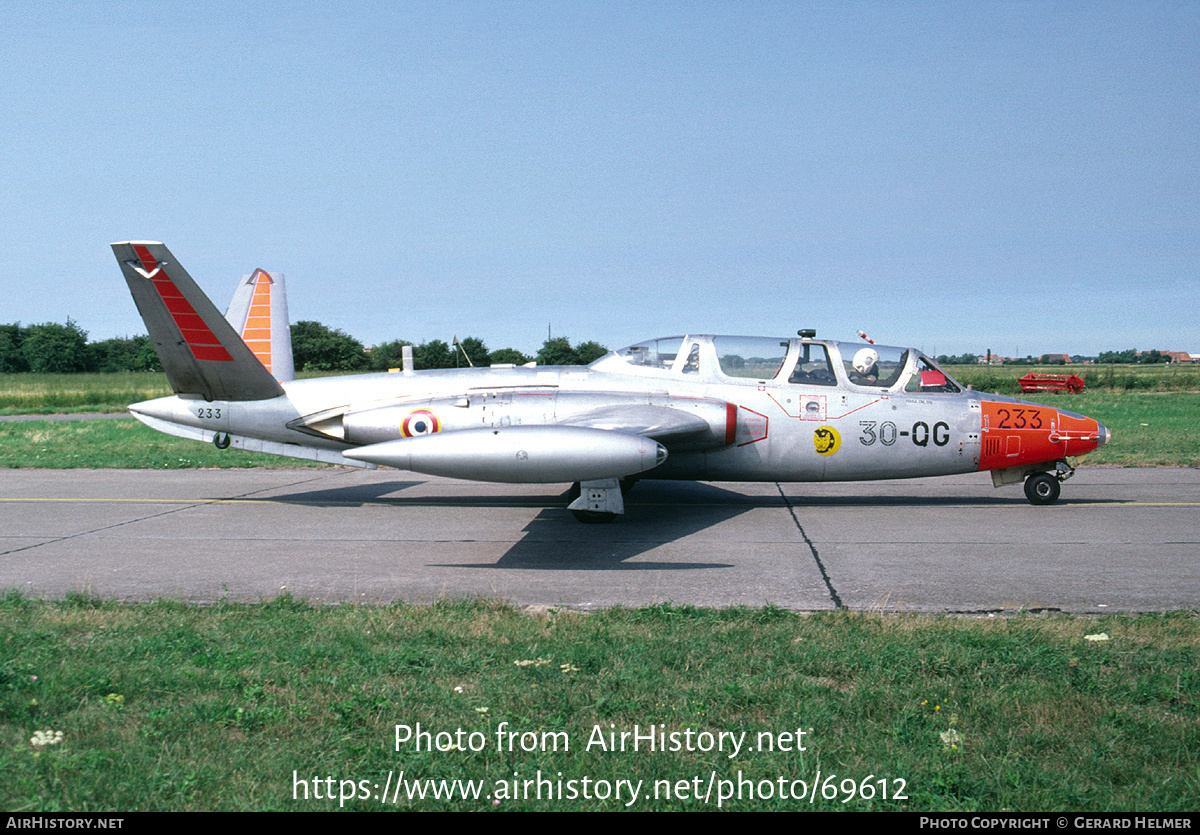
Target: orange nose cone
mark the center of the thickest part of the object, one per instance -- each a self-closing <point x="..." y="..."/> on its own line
<point x="1081" y="434"/>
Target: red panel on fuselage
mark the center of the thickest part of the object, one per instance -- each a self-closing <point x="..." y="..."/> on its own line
<point x="1015" y="434"/>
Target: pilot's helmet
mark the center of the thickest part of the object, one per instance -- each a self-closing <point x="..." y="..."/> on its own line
<point x="865" y="360"/>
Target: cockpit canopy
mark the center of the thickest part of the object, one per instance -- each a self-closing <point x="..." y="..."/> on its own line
<point x="761" y="359"/>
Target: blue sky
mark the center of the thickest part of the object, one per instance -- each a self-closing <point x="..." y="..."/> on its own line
<point x="1019" y="176"/>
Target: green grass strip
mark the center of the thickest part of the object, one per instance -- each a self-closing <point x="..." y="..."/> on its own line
<point x="282" y="705"/>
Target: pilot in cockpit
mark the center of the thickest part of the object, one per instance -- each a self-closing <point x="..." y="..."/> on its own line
<point x="866" y="367"/>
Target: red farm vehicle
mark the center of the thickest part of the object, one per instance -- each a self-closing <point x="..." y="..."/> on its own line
<point x="1056" y="383"/>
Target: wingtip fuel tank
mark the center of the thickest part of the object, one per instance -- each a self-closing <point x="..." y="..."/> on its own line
<point x="519" y="454"/>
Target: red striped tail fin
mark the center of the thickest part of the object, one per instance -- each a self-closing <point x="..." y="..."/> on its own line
<point x="200" y="351"/>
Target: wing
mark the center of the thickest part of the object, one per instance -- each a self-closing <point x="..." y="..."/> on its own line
<point x="689" y="424"/>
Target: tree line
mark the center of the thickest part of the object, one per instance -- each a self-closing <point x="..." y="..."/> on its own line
<point x="316" y="347"/>
<point x="57" y="348"/>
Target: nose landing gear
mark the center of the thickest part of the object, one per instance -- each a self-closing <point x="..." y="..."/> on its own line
<point x="1043" y="487"/>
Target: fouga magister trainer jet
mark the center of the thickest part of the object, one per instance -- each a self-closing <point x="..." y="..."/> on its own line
<point x="697" y="407"/>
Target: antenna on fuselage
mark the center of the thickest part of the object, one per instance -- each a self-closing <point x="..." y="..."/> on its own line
<point x="464" y="352"/>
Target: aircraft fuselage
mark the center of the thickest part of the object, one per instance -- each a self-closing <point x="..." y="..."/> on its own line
<point x="758" y="429"/>
<point x="730" y="408"/>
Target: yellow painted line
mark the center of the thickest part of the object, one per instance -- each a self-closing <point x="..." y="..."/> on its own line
<point x="131" y="501"/>
<point x="1145" y="504"/>
<point x="280" y="499"/>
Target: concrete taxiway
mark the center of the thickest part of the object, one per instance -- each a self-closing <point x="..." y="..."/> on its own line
<point x="1119" y="540"/>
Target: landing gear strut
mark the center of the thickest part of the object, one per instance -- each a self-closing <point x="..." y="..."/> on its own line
<point x="596" y="502"/>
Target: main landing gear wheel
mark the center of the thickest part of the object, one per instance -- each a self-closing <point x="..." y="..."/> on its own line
<point x="1042" y="488"/>
<point x="590" y="517"/>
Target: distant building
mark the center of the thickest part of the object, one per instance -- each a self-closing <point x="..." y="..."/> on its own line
<point x="1170" y="356"/>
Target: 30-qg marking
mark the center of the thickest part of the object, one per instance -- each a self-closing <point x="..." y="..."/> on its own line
<point x="921" y="434"/>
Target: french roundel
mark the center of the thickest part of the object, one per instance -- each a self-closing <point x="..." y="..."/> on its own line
<point x="420" y="422"/>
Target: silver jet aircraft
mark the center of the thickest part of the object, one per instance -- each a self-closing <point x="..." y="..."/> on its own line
<point x="697" y="407"/>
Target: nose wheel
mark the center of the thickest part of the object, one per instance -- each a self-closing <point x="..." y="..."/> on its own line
<point x="1042" y="488"/>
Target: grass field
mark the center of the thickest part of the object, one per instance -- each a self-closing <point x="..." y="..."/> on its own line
<point x="1002" y="379"/>
<point x="39" y="394"/>
<point x="174" y="707"/>
<point x="117" y="443"/>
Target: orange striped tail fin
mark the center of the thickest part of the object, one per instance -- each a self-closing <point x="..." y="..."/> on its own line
<point x="259" y="313"/>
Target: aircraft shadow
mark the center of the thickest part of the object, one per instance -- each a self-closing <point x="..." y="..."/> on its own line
<point x="380" y="493"/>
<point x="656" y="514"/>
<point x="554" y="540"/>
<point x="665" y="500"/>
<point x="663" y="497"/>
